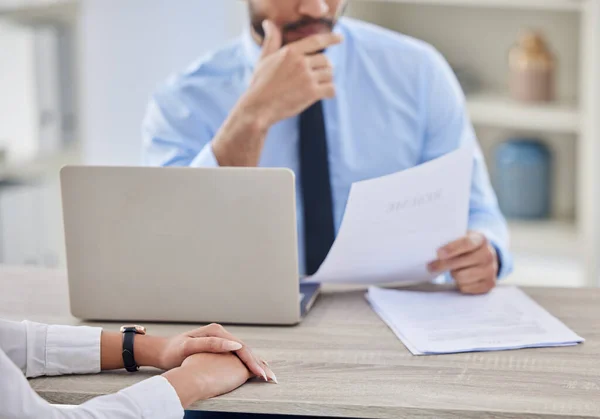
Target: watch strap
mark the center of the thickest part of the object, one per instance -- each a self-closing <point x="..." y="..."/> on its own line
<point x="128" y="358"/>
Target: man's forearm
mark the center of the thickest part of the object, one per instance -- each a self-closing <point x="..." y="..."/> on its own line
<point x="241" y="138"/>
<point x="147" y="350"/>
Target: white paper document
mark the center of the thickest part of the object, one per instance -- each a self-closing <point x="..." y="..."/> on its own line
<point x="394" y="225"/>
<point x="448" y="322"/>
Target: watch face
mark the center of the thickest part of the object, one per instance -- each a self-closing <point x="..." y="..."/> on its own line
<point x="140" y="330"/>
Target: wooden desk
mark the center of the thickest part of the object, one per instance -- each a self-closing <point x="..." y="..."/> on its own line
<point x="344" y="362"/>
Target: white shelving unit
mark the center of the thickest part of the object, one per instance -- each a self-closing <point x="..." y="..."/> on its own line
<point x="560" y="5"/>
<point x="39" y="10"/>
<point x="37" y="168"/>
<point x="30" y="210"/>
<point x="500" y="111"/>
<point x="561" y="251"/>
<point x="547" y="253"/>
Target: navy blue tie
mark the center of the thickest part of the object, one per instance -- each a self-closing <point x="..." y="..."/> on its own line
<point x="319" y="231"/>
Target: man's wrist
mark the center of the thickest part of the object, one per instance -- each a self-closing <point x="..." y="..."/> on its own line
<point x="241" y="138"/>
<point x="255" y="116"/>
<point x="148" y="350"/>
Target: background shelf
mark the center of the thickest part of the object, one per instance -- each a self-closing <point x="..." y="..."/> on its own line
<point x="546" y="253"/>
<point x="566" y="5"/>
<point x="31" y="11"/>
<point x="498" y="110"/>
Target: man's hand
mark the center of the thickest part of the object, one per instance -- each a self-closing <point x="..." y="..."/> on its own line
<point x="204" y="376"/>
<point x="168" y="353"/>
<point x="472" y="261"/>
<point x="286" y="81"/>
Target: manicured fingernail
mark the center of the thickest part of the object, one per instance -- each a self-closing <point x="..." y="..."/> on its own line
<point x="264" y="375"/>
<point x="274" y="378"/>
<point x="265" y="362"/>
<point x="233" y="346"/>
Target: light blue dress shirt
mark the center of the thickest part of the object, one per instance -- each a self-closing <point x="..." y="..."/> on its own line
<point x="398" y="105"/>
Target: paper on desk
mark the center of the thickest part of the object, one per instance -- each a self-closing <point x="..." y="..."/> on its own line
<point x="448" y="322"/>
<point x="394" y="225"/>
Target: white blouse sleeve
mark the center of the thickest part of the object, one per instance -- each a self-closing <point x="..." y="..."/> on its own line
<point x="38" y="349"/>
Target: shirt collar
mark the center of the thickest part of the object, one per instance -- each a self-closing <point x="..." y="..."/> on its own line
<point x="252" y="50"/>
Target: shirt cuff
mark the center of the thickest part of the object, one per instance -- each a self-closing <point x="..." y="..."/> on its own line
<point x="156" y="399"/>
<point x="206" y="158"/>
<point x="58" y="350"/>
<point x="505" y="261"/>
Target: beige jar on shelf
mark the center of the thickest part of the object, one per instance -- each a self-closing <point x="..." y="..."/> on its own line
<point x="532" y="69"/>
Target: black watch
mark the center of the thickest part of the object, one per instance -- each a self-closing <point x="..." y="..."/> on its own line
<point x="129" y="332"/>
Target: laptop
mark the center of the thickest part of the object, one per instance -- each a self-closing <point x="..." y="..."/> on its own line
<point x="183" y="245"/>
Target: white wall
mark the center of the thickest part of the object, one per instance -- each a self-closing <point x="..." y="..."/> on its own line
<point x="18" y="106"/>
<point x="127" y="48"/>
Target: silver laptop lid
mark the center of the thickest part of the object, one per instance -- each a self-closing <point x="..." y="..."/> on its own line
<point x="181" y="244"/>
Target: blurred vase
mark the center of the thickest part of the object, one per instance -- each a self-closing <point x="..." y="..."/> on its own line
<point x="523" y="178"/>
<point x="532" y="69"/>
